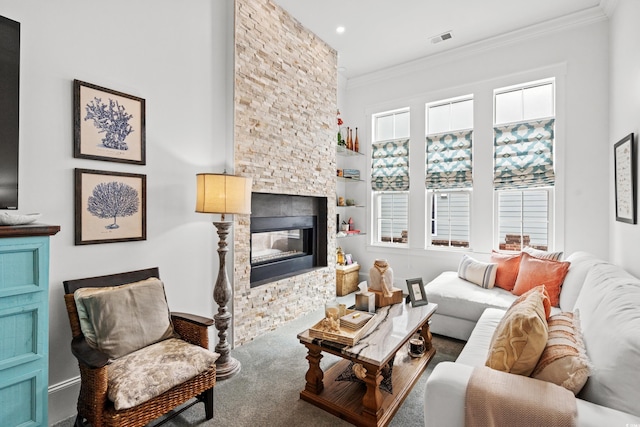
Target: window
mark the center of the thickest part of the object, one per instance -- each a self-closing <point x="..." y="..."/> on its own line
<point x="390" y="177"/>
<point x="392" y="225"/>
<point x="523" y="219"/>
<point x="449" y="171"/>
<point x="450" y="213"/>
<point x="524" y="177"/>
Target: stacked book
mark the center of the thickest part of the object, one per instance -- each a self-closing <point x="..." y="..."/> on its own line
<point x="355" y="320"/>
<point x="351" y="173"/>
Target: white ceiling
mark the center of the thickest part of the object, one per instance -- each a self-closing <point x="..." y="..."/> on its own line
<point x="383" y="33"/>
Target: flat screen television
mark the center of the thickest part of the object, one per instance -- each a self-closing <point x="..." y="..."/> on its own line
<point x="9" y="111"/>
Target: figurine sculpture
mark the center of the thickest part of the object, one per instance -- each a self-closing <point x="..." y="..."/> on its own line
<point x="381" y="277"/>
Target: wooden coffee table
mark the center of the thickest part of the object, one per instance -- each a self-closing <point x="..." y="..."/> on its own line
<point x="387" y="339"/>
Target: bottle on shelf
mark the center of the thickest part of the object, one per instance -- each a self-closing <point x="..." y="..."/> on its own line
<point x="356" y="143"/>
<point x="340" y="256"/>
<point x="349" y="139"/>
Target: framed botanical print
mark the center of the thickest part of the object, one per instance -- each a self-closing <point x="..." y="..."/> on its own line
<point x="624" y="154"/>
<point x="109" y="207"/>
<point x="108" y="125"/>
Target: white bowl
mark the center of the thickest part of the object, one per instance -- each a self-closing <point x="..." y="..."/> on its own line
<point x="17" y="219"/>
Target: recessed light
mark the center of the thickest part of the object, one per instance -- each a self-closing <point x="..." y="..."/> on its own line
<point x="340" y="29"/>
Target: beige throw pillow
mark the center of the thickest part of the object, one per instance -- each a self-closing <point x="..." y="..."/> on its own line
<point x="121" y="319"/>
<point x="520" y="337"/>
<point x="564" y="360"/>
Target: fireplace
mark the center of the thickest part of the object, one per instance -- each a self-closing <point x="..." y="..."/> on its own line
<point x="288" y="236"/>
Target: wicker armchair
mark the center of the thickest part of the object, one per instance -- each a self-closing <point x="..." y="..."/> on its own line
<point x="94" y="405"/>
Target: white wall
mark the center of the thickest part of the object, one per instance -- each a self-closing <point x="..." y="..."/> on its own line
<point x="624" y="118"/>
<point x="175" y="55"/>
<point x="576" y="54"/>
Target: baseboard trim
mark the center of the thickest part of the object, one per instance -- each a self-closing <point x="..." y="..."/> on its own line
<point x="63" y="399"/>
<point x="64" y="384"/>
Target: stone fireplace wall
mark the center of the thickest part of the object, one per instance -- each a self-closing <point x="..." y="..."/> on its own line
<point x="285" y="101"/>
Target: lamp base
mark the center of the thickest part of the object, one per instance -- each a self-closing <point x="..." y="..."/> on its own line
<point x="228" y="369"/>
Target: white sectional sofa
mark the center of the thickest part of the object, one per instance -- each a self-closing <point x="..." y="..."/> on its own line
<point x="608" y="301"/>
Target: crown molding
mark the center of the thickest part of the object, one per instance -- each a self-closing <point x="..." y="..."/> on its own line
<point x="578" y="19"/>
<point x="608" y="6"/>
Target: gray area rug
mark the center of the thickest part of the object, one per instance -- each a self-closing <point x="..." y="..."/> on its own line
<point x="266" y="392"/>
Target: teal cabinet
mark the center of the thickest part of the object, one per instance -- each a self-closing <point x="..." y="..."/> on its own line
<point x="24" y="324"/>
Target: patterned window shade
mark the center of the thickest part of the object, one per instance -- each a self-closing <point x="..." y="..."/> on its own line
<point x="449" y="160"/>
<point x="523" y="155"/>
<point x="390" y="165"/>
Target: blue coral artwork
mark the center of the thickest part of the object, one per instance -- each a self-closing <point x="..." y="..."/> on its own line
<point x="110" y="206"/>
<point x="108" y="125"/>
<point x="112" y="120"/>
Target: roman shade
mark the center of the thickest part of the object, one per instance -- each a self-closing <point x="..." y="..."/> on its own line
<point x="523" y="155"/>
<point x="449" y="158"/>
<point x="390" y="165"/>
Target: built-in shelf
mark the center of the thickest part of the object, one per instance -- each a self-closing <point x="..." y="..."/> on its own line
<point x="338" y="236"/>
<point x="350" y="206"/>
<point x="343" y="151"/>
<point x="342" y="178"/>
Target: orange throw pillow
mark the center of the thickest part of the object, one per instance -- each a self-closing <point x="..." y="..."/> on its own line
<point x="535" y="271"/>
<point x="544" y="295"/>
<point x="508" y="266"/>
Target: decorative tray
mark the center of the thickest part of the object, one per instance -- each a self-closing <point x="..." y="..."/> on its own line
<point x="345" y="335"/>
<point x="17" y="219"/>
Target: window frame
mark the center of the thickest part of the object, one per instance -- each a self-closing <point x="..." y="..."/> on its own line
<point x="430" y="194"/>
<point x="551" y="190"/>
<point x="375" y="195"/>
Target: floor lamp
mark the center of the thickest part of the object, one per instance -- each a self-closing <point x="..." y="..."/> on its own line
<point x="223" y="194"/>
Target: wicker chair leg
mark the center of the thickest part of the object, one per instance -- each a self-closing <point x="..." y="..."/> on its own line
<point x="207" y="398"/>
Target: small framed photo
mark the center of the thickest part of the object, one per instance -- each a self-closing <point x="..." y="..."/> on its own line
<point x="416" y="292"/>
<point x="109" y="207"/>
<point x="624" y="154"/>
<point x="108" y="125"/>
<point x="348" y="259"/>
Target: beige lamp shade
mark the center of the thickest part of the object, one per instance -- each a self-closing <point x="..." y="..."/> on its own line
<point x="221" y="193"/>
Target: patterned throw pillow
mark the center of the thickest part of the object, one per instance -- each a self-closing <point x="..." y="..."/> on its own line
<point x="535" y="271"/>
<point x="554" y="256"/>
<point x="564" y="360"/>
<point x="508" y="266"/>
<point x="520" y="337"/>
<point x="481" y="273"/>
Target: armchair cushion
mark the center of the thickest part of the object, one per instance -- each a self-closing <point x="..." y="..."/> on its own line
<point x="118" y="320"/>
<point x="149" y="372"/>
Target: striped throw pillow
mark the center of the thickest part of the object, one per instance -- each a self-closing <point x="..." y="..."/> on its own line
<point x="480" y="273"/>
<point x="564" y="359"/>
<point x="554" y="256"/>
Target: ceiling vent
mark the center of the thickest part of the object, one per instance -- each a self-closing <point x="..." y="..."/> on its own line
<point x="442" y="37"/>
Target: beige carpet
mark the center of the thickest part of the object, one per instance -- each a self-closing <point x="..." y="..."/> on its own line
<point x="266" y="391"/>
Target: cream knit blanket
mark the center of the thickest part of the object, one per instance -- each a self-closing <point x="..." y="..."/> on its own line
<point x="490" y="402"/>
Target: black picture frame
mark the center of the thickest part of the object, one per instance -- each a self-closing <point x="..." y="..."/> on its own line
<point x="108" y="125"/>
<point x="417" y="295"/>
<point x="625" y="174"/>
<point x="96" y="217"/>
